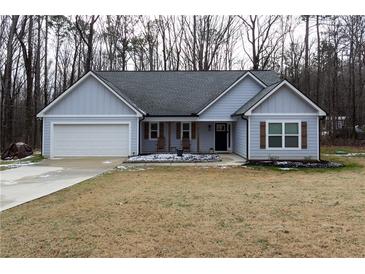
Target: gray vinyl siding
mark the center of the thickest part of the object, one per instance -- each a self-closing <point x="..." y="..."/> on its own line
<point x="240" y="137"/>
<point x="206" y="139"/>
<point x="232" y="100"/>
<point x="47" y="121"/>
<point x="150" y="146"/>
<point x="90" y="97"/>
<point x="256" y="153"/>
<point x="284" y="100"/>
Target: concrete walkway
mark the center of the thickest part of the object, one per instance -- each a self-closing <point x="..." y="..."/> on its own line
<point x="23" y="184"/>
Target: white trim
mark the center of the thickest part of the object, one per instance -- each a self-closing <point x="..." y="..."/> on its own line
<point x="138" y="137"/>
<point x="248" y="73"/>
<point x="249" y="138"/>
<point x="90" y="116"/>
<point x="229" y="144"/>
<point x="170" y="119"/>
<point x="321" y="112"/>
<point x="284" y="114"/>
<point x="217" y="120"/>
<point x="43" y="138"/>
<point x="318" y="140"/>
<point x="283" y="122"/>
<point x="90" y="73"/>
<point x="51" y="135"/>
<point x="228" y="149"/>
<point x="186" y="119"/>
<point x="149" y="131"/>
<point x="181" y="130"/>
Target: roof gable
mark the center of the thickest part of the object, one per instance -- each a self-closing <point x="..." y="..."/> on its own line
<point x="284" y="100"/>
<point x="67" y="96"/>
<point x="264" y="94"/>
<point x="228" y="102"/>
<point x="226" y="91"/>
<point x="90" y="98"/>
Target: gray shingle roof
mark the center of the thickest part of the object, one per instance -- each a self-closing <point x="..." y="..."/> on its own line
<point x="250" y="103"/>
<point x="175" y="92"/>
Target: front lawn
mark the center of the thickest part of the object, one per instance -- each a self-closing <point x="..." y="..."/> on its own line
<point x="195" y="212"/>
<point x="342" y="149"/>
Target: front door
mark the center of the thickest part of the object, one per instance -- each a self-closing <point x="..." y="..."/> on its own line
<point x="221" y="133"/>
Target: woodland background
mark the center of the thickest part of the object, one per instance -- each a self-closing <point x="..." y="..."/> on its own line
<point x="41" y="56"/>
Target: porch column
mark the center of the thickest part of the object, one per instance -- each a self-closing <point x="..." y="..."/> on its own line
<point x="169" y="142"/>
<point x="197" y="137"/>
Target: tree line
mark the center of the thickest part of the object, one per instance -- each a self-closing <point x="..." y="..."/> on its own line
<point x="41" y="56"/>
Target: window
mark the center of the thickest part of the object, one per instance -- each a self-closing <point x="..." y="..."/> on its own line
<point x="154" y="130"/>
<point x="185" y="129"/>
<point x="283" y="135"/>
<point x="220" y="127"/>
<point x="291" y="135"/>
<point x="275" y="135"/>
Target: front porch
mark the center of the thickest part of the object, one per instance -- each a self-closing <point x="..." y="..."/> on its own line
<point x="191" y="136"/>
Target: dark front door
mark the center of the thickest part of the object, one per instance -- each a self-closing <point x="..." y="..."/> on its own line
<point x="221" y="132"/>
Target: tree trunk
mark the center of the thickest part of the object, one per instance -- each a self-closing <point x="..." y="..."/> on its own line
<point x="55" y="89"/>
<point x="37" y="83"/>
<point x="306" y="57"/>
<point x="194" y="43"/>
<point x="318" y="60"/>
<point x="28" y="64"/>
<point x="7" y="129"/>
<point x="255" y="57"/>
<point x="45" y="84"/>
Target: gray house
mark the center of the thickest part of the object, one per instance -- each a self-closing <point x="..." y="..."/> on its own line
<point x="254" y="114"/>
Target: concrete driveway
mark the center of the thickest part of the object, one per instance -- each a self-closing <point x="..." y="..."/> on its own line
<point x="23" y="184"/>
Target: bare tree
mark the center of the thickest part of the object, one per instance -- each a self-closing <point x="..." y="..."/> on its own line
<point x="8" y="107"/>
<point x="306" y="56"/>
<point x="27" y="50"/>
<point x="262" y="38"/>
<point x="87" y="31"/>
<point x="45" y="82"/>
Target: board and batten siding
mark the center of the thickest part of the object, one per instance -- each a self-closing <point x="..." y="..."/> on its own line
<point x="284" y="100"/>
<point x="240" y="137"/>
<point x="232" y="100"/>
<point x="310" y="153"/>
<point x="90" y="97"/>
<point x="47" y="122"/>
<point x="89" y="102"/>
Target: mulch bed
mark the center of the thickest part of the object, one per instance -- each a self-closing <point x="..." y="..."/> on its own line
<point x="173" y="158"/>
<point x="297" y="164"/>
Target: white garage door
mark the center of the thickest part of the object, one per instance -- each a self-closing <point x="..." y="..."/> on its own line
<point x="90" y="140"/>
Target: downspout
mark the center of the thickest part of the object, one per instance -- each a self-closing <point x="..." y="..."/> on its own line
<point x="319" y="136"/>
<point x="246" y="136"/>
<point x="139" y="137"/>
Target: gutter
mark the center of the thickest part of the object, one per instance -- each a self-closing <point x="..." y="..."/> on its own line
<point x="182" y="115"/>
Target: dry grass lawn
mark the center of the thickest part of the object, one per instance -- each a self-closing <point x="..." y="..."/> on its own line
<point x="195" y="212"/>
